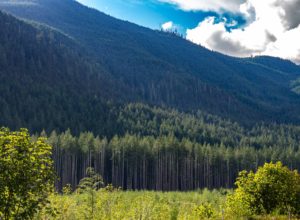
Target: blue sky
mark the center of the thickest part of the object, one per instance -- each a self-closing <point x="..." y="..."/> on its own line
<point x="154" y="13"/>
<point x="235" y="27"/>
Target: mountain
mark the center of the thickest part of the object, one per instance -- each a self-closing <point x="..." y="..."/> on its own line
<point x="42" y="80"/>
<point x="107" y="62"/>
<point x="137" y="101"/>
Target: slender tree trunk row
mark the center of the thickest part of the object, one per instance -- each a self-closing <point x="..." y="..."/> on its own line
<point x="162" y="170"/>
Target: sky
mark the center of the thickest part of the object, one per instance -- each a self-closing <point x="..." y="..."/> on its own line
<point x="239" y="28"/>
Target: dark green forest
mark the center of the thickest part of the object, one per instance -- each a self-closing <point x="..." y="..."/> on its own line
<point x="156" y="112"/>
<point x="137" y="64"/>
<point x="47" y="83"/>
<point x="159" y="149"/>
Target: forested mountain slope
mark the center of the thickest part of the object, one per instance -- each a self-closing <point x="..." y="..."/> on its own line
<point x="42" y="84"/>
<point x="163" y="69"/>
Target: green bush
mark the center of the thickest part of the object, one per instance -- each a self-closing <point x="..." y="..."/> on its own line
<point x="26" y="174"/>
<point x="273" y="189"/>
<point x="205" y="211"/>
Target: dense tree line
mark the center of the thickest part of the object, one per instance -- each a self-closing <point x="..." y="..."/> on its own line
<point x="202" y="128"/>
<point x="162" y="163"/>
<point x="164" y="149"/>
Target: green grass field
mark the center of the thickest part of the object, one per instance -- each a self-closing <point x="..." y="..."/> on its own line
<point x="142" y="205"/>
<point x="134" y="205"/>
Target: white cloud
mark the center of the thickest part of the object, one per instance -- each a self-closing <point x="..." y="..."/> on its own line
<point x="286" y="45"/>
<point x="167" y="26"/>
<point x="272" y="27"/>
<point x="208" y="5"/>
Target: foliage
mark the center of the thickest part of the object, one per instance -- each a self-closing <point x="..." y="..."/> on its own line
<point x="205" y="211"/>
<point x="205" y="151"/>
<point x="272" y="189"/>
<point x="92" y="181"/>
<point x="111" y="188"/>
<point x="26" y="174"/>
<point x="144" y="205"/>
<point x="89" y="185"/>
<point x="67" y="189"/>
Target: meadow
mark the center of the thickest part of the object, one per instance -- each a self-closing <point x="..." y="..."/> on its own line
<point x="104" y="204"/>
<point x="142" y="205"/>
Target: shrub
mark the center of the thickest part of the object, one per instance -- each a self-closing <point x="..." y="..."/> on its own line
<point x="272" y="189"/>
<point x="205" y="211"/>
<point x="26" y="174"/>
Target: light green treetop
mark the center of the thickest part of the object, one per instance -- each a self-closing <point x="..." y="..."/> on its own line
<point x="26" y="174"/>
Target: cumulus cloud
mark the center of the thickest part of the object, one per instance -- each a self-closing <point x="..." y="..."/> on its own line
<point x="167" y="26"/>
<point x="290" y="12"/>
<point x="272" y="27"/>
<point x="236" y="43"/>
<point x="286" y="45"/>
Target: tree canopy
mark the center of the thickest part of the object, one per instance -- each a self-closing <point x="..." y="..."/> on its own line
<point x="92" y="181"/>
<point x="274" y="188"/>
<point x="26" y="174"/>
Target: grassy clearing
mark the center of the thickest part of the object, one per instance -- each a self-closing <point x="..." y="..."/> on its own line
<point x="133" y="205"/>
<point x="142" y="205"/>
